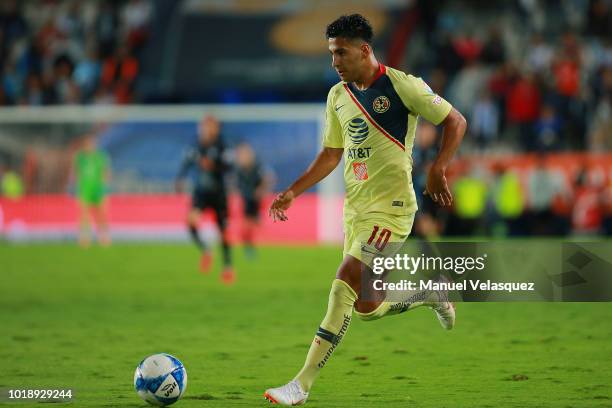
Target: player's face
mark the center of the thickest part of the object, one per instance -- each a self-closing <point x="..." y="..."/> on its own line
<point x="349" y="57"/>
<point x="89" y="144"/>
<point x="209" y="130"/>
<point x="244" y="156"/>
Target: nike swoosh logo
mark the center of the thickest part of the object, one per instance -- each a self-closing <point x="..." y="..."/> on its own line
<point x="338" y="107"/>
<point x="367" y="251"/>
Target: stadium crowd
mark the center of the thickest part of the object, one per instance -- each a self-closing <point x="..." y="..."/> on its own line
<point x="543" y="89"/>
<point x="71" y="52"/>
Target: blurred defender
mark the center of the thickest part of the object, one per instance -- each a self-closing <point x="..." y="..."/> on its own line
<point x="253" y="183"/>
<point x="209" y="192"/>
<point x="371" y="119"/>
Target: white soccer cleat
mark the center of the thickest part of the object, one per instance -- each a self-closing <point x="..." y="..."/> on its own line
<point x="446" y="314"/>
<point x="289" y="394"/>
<point x="437" y="300"/>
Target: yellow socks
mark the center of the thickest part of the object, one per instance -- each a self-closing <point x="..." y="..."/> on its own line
<point x="333" y="327"/>
<point x="393" y="308"/>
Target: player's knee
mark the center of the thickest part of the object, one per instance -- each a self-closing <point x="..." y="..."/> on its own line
<point x="350" y="272"/>
<point x="368" y="310"/>
<point x="342" y="294"/>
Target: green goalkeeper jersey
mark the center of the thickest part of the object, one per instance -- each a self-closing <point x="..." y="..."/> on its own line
<point x="376" y="128"/>
<point x="91" y="168"/>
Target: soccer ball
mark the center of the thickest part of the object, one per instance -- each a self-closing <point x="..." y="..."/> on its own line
<point x="160" y="379"/>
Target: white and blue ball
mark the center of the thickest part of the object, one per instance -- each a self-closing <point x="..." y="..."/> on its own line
<point x="160" y="379"/>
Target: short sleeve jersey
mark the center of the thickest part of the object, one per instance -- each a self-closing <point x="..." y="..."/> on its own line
<point x="376" y="128"/>
<point x="90" y="171"/>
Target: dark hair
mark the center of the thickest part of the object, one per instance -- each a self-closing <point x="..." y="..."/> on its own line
<point x="353" y="26"/>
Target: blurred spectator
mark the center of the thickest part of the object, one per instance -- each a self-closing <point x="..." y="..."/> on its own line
<point x="69" y="22"/>
<point x="544" y="187"/>
<point x="493" y="51"/>
<point x="539" y="54"/>
<point x="547" y="130"/>
<point x="119" y="73"/>
<point x="66" y="89"/>
<point x="499" y="85"/>
<point x="599" y="19"/>
<point x="104" y="96"/>
<point x="467" y="47"/>
<point x="587" y="211"/>
<point x="484" y="123"/>
<point x="467" y="86"/>
<point x="567" y="76"/>
<point x="447" y="58"/>
<point x="35" y="93"/>
<point x="136" y="16"/>
<point x="12" y="186"/>
<point x="470" y="200"/>
<point x="106" y="26"/>
<point x="87" y="73"/>
<point x="12" y="24"/>
<point x="11" y="82"/>
<point x="508" y="202"/>
<point x="601" y="122"/>
<point x="31" y="59"/>
<point x="523" y="108"/>
<point x="566" y="67"/>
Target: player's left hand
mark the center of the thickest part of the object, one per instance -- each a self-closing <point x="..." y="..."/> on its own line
<point x="437" y="187"/>
<point x="281" y="203"/>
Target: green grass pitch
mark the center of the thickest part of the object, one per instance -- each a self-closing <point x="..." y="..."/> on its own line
<point x="84" y="319"/>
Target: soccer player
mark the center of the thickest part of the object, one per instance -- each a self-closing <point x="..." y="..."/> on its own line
<point x="92" y="170"/>
<point x="209" y="192"/>
<point x="253" y="182"/>
<point x="371" y="119"/>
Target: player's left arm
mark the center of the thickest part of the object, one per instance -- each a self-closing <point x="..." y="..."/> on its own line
<point x="437" y="186"/>
<point x="419" y="98"/>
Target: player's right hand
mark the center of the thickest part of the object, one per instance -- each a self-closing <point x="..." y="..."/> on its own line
<point x="281" y="203"/>
<point x="437" y="187"/>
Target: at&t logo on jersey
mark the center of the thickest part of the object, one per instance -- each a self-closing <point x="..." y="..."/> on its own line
<point x="358" y="130"/>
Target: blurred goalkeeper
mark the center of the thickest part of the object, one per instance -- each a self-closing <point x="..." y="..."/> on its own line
<point x="207" y="163"/>
<point x="93" y="172"/>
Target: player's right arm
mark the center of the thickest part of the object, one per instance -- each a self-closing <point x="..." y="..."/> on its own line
<point x="325" y="162"/>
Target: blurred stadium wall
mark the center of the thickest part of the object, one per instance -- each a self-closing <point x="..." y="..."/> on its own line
<point x="139" y="73"/>
<point x="146" y="145"/>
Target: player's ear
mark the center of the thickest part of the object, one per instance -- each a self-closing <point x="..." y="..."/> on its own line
<point x="365" y="50"/>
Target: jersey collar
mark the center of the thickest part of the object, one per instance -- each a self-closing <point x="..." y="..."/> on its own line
<point x="381" y="71"/>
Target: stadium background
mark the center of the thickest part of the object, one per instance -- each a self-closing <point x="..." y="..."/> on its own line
<point x="533" y="78"/>
<point x="540" y="95"/>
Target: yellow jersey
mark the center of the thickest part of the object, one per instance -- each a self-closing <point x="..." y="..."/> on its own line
<point x="376" y="128"/>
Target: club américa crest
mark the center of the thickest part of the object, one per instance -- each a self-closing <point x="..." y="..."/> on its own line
<point x="381" y="104"/>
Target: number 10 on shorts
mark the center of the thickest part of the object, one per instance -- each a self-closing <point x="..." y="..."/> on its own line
<point x="383" y="237"/>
